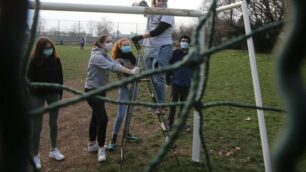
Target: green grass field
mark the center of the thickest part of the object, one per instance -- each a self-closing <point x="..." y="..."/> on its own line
<point x="232" y="134"/>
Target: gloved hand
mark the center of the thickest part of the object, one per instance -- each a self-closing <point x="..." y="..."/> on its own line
<point x="135" y="70"/>
<point x="141" y="4"/>
<point x="137" y="38"/>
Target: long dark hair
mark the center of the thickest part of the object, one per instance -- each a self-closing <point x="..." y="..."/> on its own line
<point x="37" y="55"/>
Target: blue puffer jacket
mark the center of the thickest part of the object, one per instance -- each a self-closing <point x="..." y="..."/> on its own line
<point x="180" y="77"/>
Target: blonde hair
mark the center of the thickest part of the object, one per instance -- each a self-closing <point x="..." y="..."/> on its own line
<point x="116" y="51"/>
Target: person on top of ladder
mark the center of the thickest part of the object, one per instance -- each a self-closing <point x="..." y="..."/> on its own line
<point x="158" y="43"/>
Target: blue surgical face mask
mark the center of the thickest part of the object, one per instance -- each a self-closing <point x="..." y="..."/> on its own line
<point x="126" y="49"/>
<point x="48" y="52"/>
<point x="184" y="45"/>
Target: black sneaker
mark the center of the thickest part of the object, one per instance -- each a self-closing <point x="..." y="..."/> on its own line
<point x="170" y="127"/>
<point x="186" y="128"/>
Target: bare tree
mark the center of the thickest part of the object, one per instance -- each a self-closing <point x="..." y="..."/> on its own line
<point x="104" y="26"/>
<point x="229" y="23"/>
<point x="91" y="25"/>
<point x="54" y="34"/>
<point x="263" y="12"/>
<point x="267" y="11"/>
<point x="182" y="30"/>
<point x="76" y="27"/>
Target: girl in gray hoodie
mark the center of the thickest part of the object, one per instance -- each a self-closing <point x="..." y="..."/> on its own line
<point x="99" y="65"/>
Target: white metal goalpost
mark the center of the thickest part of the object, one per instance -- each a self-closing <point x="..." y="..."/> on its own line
<point x="260" y="113"/>
<point x="187" y="13"/>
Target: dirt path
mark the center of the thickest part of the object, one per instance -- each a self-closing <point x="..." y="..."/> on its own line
<point x="72" y="136"/>
<point x="73" y="125"/>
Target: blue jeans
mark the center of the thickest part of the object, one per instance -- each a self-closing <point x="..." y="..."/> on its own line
<point x="158" y="57"/>
<point x="124" y="95"/>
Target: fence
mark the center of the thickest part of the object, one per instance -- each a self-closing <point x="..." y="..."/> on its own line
<point x="71" y="31"/>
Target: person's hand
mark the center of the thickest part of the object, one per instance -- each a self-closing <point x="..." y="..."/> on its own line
<point x="141" y="4"/>
<point x="135" y="70"/>
<point x="137" y="38"/>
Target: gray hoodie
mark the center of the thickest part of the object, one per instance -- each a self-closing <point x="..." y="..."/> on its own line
<point x="99" y="66"/>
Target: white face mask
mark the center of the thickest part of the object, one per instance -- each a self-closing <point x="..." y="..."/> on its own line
<point x="108" y="46"/>
<point x="48" y="52"/>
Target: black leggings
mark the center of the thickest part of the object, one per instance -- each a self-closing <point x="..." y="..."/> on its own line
<point x="98" y="123"/>
<point x="177" y="93"/>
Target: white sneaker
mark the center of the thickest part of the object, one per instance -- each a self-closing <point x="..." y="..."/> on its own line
<point x="92" y="147"/>
<point x="101" y="154"/>
<point x="56" y="154"/>
<point x="37" y="163"/>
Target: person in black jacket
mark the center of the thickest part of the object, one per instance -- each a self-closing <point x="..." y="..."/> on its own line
<point x="45" y="66"/>
<point x="180" y="79"/>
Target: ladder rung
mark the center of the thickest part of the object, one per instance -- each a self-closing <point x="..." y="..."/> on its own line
<point x="144" y="79"/>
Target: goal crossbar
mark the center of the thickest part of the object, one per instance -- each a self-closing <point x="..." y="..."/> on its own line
<point x="98" y="8"/>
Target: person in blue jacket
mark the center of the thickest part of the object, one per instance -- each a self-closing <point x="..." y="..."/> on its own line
<point x="180" y="78"/>
<point x="82" y="43"/>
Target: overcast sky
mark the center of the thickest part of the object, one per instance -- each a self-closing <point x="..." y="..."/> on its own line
<point x="127" y="22"/>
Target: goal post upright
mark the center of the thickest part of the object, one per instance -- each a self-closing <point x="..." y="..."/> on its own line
<point x="257" y="92"/>
<point x="196" y="141"/>
<point x="258" y="98"/>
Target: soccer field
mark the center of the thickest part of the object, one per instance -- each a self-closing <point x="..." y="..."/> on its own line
<point x="231" y="134"/>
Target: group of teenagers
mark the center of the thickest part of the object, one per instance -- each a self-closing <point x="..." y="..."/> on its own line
<point x="45" y="66"/>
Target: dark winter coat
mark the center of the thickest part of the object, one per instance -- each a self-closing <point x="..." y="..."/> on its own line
<point x="49" y="71"/>
<point x="180" y="77"/>
<point x="127" y="60"/>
